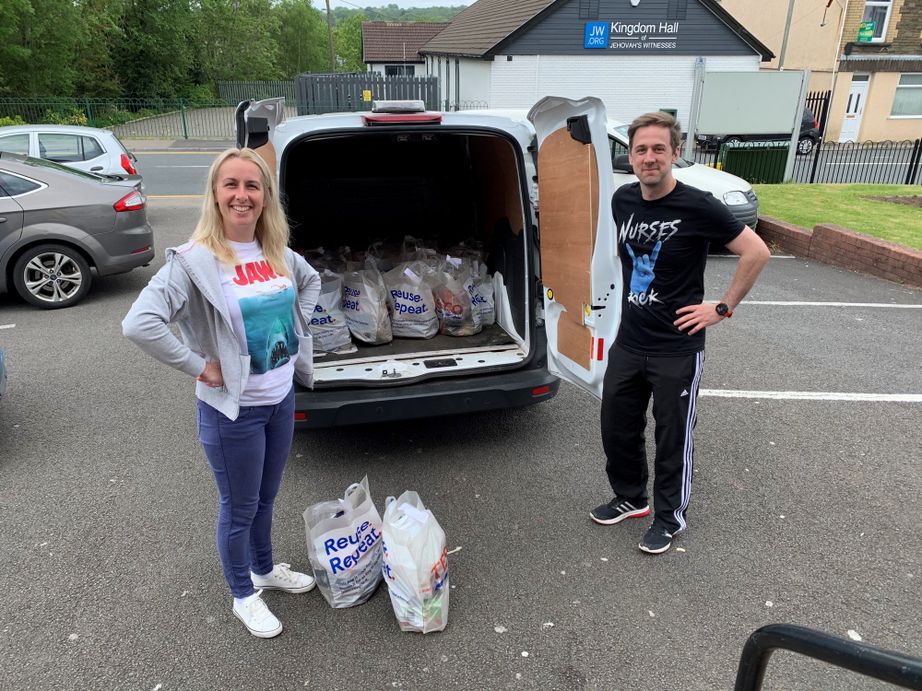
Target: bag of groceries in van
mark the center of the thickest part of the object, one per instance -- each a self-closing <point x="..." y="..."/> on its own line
<point x="483" y="294"/>
<point x="344" y="546"/>
<point x="365" y="305"/>
<point x="328" y="324"/>
<point x="412" y="304"/>
<point x="415" y="564"/>
<point x="458" y="314"/>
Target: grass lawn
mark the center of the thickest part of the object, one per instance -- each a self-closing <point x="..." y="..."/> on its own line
<point x="847" y="206"/>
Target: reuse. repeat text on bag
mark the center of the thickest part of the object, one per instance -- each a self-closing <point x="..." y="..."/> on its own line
<point x="344" y="546"/>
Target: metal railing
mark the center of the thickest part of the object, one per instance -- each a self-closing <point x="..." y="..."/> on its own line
<point x="887" y="162"/>
<point x="862" y="658"/>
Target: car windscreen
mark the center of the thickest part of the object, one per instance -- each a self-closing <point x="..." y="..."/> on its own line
<point x="42" y="163"/>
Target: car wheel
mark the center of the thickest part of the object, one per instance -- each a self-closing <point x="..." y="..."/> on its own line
<point x="52" y="276"/>
<point x="804" y="146"/>
<point x="732" y="140"/>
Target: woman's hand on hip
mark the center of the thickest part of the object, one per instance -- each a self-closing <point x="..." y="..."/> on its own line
<point x="212" y="376"/>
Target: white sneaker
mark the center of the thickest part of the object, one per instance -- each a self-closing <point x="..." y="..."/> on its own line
<point x="256" y="616"/>
<point x="283" y="578"/>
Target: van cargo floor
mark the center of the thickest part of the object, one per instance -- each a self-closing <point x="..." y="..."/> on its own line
<point x="492" y="336"/>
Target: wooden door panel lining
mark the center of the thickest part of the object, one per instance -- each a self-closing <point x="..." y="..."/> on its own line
<point x="568" y="190"/>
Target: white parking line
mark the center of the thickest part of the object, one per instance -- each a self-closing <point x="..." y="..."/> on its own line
<point x="814" y="395"/>
<point x="7" y="326"/>
<point x="794" y="303"/>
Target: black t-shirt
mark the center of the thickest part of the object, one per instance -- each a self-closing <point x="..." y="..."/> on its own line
<point x="663" y="246"/>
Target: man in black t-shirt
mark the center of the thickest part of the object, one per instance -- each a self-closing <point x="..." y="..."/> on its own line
<point x="664" y="228"/>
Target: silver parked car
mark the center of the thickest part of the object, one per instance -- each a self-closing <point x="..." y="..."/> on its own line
<point x="57" y="223"/>
<point x="84" y="148"/>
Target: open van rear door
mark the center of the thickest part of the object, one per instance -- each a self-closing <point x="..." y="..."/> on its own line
<point x="255" y="121"/>
<point x="579" y="265"/>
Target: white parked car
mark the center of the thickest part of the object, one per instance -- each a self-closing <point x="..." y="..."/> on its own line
<point x="85" y="148"/>
<point x="734" y="192"/>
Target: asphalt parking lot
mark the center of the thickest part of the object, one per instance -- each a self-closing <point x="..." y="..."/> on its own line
<point x="807" y="509"/>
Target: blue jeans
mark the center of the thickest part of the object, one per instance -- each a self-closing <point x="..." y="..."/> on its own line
<point x="247" y="456"/>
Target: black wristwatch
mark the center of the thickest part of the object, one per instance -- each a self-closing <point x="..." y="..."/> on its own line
<point x="723" y="309"/>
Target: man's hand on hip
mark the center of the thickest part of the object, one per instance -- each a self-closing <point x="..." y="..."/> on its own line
<point x="693" y="318"/>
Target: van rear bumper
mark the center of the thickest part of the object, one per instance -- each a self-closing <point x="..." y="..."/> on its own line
<point x="335" y="408"/>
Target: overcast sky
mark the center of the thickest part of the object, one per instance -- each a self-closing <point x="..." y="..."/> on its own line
<point x="361" y="4"/>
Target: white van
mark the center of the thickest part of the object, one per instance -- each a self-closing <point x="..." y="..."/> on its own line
<point x="355" y="178"/>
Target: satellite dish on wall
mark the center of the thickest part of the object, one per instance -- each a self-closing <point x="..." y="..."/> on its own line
<point x="634" y="3"/>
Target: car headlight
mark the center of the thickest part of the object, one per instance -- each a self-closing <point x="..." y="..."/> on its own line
<point x="735" y="198"/>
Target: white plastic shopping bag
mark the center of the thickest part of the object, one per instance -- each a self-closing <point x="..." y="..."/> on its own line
<point x="344" y="546"/>
<point x="459" y="315"/>
<point x="328" y="324"/>
<point x="415" y="564"/>
<point x="365" y="305"/>
<point x="412" y="303"/>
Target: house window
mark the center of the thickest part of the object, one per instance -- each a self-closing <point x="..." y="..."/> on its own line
<point x="588" y="9"/>
<point x="400" y="70"/>
<point x="907" y="101"/>
<point x="878" y="11"/>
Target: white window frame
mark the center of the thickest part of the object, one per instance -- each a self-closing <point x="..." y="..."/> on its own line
<point x="906" y="86"/>
<point x="879" y="3"/>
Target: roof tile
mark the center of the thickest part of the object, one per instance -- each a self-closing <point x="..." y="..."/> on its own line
<point x="397" y="41"/>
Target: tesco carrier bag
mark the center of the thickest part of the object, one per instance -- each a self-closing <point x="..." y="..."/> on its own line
<point x="344" y="546"/>
<point x="415" y="564"/>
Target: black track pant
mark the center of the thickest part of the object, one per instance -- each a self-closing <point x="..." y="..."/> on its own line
<point x="630" y="380"/>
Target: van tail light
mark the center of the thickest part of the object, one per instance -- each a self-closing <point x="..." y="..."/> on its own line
<point x="133" y="201"/>
<point x="128" y="166"/>
<point x="402" y="119"/>
<point x="816" y="123"/>
<point x="541" y="391"/>
<point x="300" y="417"/>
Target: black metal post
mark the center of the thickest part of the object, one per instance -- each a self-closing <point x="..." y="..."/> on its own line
<point x="914" y="159"/>
<point x="885" y="665"/>
<point x="816" y="159"/>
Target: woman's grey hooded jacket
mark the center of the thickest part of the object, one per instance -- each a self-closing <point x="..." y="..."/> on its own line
<point x="187" y="291"/>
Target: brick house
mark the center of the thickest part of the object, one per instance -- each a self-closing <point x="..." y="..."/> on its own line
<point x="875" y="77"/>
<point x="392" y="48"/>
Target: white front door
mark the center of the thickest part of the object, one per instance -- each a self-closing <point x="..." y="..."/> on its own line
<point x="580" y="269"/>
<point x="854" y="107"/>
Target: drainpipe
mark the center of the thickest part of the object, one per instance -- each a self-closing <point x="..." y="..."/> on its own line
<point x="835" y="67"/>
<point x="787" y="30"/>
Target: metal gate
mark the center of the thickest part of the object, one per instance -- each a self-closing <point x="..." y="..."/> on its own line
<point x="334" y="93"/>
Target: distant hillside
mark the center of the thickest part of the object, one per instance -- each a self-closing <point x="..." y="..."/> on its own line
<point x="392" y="13"/>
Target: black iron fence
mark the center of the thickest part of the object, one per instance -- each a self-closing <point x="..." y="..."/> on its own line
<point x="331" y="93"/>
<point x="888" y="162"/>
<point x="818" y="104"/>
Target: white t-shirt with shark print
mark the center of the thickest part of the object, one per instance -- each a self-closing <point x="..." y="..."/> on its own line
<point x="261" y="306"/>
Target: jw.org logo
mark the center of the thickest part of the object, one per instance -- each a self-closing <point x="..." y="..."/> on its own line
<point x="596" y="35"/>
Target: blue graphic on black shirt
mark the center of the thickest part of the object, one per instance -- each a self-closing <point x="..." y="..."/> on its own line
<point x="269" y="324"/>
<point x="642" y="276"/>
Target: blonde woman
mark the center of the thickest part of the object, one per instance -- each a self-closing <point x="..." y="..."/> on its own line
<point x="242" y="301"/>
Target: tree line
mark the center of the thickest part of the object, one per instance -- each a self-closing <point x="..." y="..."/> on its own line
<point x="175" y="48"/>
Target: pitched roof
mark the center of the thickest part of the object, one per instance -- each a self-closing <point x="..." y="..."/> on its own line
<point x="396" y="41"/>
<point x="482" y="25"/>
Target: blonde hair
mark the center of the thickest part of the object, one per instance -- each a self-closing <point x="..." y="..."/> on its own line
<point x="272" y="230"/>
